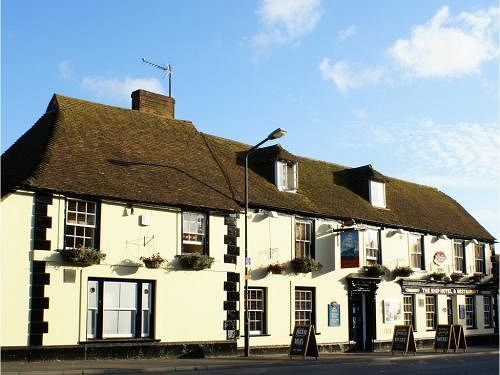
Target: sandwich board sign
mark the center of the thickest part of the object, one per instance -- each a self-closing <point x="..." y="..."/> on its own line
<point x="403" y="340"/>
<point x="445" y="338"/>
<point x="304" y="342"/>
<point x="460" y="337"/>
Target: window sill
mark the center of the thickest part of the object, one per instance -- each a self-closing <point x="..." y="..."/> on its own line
<point x="119" y="341"/>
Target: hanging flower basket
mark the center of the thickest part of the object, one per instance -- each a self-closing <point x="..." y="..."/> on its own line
<point x="403" y="271"/>
<point x="276" y="268"/>
<point x="154" y="261"/>
<point x="305" y="265"/>
<point x="195" y="261"/>
<point x="82" y="256"/>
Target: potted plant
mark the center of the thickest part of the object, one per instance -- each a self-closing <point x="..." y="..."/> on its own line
<point x="403" y="271"/>
<point x="154" y="261"/>
<point x="276" y="268"/>
<point x="376" y="270"/>
<point x="194" y="261"/>
<point x="82" y="256"/>
<point x="305" y="265"/>
<point x="436" y="276"/>
<point x="455" y="276"/>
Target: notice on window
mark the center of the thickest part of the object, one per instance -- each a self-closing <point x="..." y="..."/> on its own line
<point x="349" y="249"/>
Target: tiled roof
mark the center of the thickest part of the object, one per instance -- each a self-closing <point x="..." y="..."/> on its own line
<point x="89" y="149"/>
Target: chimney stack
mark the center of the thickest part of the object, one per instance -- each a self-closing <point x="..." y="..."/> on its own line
<point x="150" y="102"/>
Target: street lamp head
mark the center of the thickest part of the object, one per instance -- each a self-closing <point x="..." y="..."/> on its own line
<point x="278" y="133"/>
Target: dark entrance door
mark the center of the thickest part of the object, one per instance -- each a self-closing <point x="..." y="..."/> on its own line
<point x="449" y="308"/>
<point x="362" y="320"/>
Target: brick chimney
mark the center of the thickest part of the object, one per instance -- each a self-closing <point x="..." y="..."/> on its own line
<point x="150" y="102"/>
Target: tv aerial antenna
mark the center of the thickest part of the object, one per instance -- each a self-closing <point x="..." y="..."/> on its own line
<point x="167" y="70"/>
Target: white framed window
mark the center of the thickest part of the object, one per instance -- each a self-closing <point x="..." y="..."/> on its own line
<point x="194" y="232"/>
<point x="119" y="309"/>
<point x="377" y="194"/>
<point x="80" y="228"/>
<point x="304" y="306"/>
<point x="416" y="251"/>
<point x="257" y="310"/>
<point x="458" y="256"/>
<point x="409" y="310"/>
<point x="371" y="247"/>
<point x="303" y="238"/>
<point x="430" y="312"/>
<point x="488" y="322"/>
<point x="470" y="312"/>
<point x="479" y="258"/>
<point x="286" y="176"/>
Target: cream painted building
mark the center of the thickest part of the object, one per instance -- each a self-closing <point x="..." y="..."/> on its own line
<point x="138" y="183"/>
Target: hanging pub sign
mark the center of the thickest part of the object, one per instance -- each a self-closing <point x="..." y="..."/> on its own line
<point x="349" y="249"/>
<point x="304" y="342"/>
<point x="460" y="337"/>
<point x="445" y="338"/>
<point x="403" y="340"/>
<point x="333" y="314"/>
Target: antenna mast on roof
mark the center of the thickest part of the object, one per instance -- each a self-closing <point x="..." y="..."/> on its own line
<point x="166" y="69"/>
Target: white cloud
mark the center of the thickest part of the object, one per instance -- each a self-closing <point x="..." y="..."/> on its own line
<point x="285" y="21"/>
<point x="346" y="33"/>
<point x="64" y="69"/>
<point x="359" y="113"/>
<point x="119" y="90"/>
<point x="345" y="77"/>
<point x="448" y="46"/>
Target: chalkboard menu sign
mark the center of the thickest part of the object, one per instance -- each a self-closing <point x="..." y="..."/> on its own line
<point x="403" y="340"/>
<point x="304" y="342"/>
<point x="445" y="338"/>
<point x="459" y="337"/>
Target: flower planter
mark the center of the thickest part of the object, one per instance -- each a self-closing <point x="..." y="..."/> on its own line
<point x="81" y="256"/>
<point x="194" y="261"/>
<point x="152" y="264"/>
<point x="402" y="272"/>
<point x="305" y="265"/>
<point x="375" y="271"/>
<point x="276" y="268"/>
<point x="154" y="261"/>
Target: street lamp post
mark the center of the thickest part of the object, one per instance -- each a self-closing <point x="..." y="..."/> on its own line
<point x="274" y="135"/>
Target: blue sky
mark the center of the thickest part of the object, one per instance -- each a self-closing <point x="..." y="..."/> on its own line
<point x="410" y="87"/>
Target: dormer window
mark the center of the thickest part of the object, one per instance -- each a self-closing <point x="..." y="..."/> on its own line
<point x="377" y="194"/>
<point x="286" y="176"/>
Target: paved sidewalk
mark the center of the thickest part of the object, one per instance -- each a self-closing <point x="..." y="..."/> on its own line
<point x="162" y="365"/>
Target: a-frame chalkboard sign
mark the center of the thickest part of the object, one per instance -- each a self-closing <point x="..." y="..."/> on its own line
<point x="459" y="337"/>
<point x="304" y="342"/>
<point x="445" y="338"/>
<point x="403" y="340"/>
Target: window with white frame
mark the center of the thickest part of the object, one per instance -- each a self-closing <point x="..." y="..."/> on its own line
<point x="459" y="256"/>
<point x="371" y="247"/>
<point x="114" y="310"/>
<point x="257" y="310"/>
<point x="409" y="310"/>
<point x="479" y="258"/>
<point x="80" y="225"/>
<point x="488" y="322"/>
<point x="304" y="306"/>
<point x="415" y="242"/>
<point x="303" y="238"/>
<point x="470" y="312"/>
<point x="430" y="312"/>
<point x="377" y="194"/>
<point x="286" y="176"/>
<point x="194" y="233"/>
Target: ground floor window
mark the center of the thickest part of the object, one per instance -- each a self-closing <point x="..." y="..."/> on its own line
<point x="119" y="308"/>
<point x="487" y="312"/>
<point x="304" y="306"/>
<point x="430" y="312"/>
<point x="409" y="310"/>
<point x="470" y="312"/>
<point x="257" y="310"/>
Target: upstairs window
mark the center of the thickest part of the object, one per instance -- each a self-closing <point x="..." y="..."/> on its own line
<point x="459" y="256"/>
<point x="286" y="176"/>
<point x="479" y="258"/>
<point x="81" y="220"/>
<point x="303" y="238"/>
<point x="372" y="247"/>
<point x="194" y="233"/>
<point x="377" y="194"/>
<point x="416" y="251"/>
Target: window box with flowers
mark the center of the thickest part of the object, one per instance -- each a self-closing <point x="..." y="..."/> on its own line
<point x="82" y="256"/>
<point x="276" y="268"/>
<point x="376" y="270"/>
<point x="403" y="271"/>
<point x="154" y="261"/>
<point x="305" y="265"/>
<point x="194" y="261"/>
<point x="436" y="276"/>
